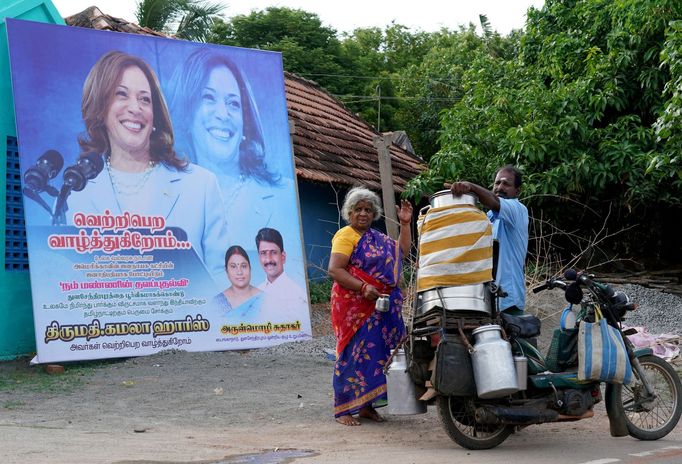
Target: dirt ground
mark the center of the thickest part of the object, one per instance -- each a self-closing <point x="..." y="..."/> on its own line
<point x="217" y="407"/>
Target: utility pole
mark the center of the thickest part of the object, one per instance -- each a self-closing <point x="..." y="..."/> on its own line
<point x="382" y="145"/>
<point x="378" y="108"/>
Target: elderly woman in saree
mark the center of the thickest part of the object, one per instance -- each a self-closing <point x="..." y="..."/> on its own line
<point x="364" y="265"/>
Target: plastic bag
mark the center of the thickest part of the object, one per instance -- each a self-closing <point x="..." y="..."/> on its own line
<point x="601" y="352"/>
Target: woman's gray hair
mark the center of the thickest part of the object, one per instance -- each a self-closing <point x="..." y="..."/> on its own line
<point x="355" y="196"/>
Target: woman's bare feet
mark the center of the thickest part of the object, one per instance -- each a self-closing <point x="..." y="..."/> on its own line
<point x="368" y="412"/>
<point x="347" y="420"/>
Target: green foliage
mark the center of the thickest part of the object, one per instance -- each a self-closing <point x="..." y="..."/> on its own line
<point x="588" y="105"/>
<point x="320" y="291"/>
<point x="437" y="82"/>
<point x="185" y="19"/>
<point x="666" y="165"/>
<point x="377" y="57"/>
<point x="156" y="14"/>
<point x="307" y="46"/>
<point x="376" y="72"/>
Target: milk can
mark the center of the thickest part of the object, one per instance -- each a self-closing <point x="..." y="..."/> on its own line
<point x="493" y="363"/>
<point x="401" y="392"/>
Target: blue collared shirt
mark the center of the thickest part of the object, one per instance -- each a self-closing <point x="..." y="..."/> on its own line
<point x="510" y="229"/>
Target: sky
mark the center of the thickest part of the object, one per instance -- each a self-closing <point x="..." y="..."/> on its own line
<point x="346" y="15"/>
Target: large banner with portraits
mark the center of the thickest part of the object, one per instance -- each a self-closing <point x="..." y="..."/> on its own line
<point x="159" y="194"/>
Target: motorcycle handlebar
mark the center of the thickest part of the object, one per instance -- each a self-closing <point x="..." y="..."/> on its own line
<point x="540" y="288"/>
<point x="588" y="281"/>
<point x="549" y="285"/>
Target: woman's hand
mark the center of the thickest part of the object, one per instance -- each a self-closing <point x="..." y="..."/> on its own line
<point x="404" y="212"/>
<point x="370" y="292"/>
<point x="405" y="218"/>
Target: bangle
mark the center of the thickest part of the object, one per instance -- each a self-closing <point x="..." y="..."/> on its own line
<point x="362" y="288"/>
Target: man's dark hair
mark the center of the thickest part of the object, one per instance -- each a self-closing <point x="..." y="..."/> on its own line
<point x="269" y="235"/>
<point x="518" y="175"/>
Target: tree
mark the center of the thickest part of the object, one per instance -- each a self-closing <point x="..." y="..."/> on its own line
<point x="435" y="82"/>
<point x="308" y="47"/>
<point x="185" y="19"/>
<point x="362" y="69"/>
<point x="378" y="58"/>
<point x="586" y="107"/>
<point x="666" y="165"/>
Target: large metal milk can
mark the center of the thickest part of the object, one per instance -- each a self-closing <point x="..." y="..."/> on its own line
<point x="493" y="363"/>
<point x="401" y="392"/>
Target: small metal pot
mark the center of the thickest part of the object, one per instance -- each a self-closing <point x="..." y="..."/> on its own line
<point x="382" y="304"/>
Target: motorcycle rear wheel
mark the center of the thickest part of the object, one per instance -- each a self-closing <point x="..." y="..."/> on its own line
<point x="651" y="420"/>
<point x="457" y="416"/>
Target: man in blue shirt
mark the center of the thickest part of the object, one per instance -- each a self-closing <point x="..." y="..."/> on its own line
<point x="510" y="229"/>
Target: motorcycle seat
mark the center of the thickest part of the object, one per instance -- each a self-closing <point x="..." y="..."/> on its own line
<point x="526" y="326"/>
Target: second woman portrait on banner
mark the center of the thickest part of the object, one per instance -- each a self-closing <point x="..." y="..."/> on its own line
<point x="128" y="123"/>
<point x="219" y="128"/>
<point x="241" y="301"/>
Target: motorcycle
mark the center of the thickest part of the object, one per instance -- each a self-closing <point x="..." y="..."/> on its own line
<point x="479" y="411"/>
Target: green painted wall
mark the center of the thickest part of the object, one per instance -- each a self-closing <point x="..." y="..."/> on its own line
<point x="16" y="313"/>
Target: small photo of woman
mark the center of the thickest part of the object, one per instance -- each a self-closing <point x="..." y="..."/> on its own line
<point x="241" y="301"/>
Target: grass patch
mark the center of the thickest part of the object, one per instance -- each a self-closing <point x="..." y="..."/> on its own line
<point x="13" y="404"/>
<point x="320" y="291"/>
<point x="19" y="375"/>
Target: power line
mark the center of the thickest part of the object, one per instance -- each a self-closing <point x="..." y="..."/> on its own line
<point x="375" y="98"/>
<point x="396" y="78"/>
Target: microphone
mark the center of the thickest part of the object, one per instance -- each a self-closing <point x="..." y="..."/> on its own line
<point x="75" y="179"/>
<point x="86" y="168"/>
<point x="37" y="177"/>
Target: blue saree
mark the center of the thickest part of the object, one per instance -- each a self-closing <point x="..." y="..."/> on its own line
<point x="366" y="337"/>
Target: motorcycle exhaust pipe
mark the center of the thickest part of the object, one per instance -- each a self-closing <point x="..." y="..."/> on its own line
<point x="500" y="415"/>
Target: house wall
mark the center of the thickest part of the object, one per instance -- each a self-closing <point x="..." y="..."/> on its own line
<point x="321" y="218"/>
<point x="16" y="313"/>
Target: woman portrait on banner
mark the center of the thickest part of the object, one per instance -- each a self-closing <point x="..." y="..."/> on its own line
<point x="127" y="122"/>
<point x="219" y="128"/>
<point x="241" y="301"/>
<point x="365" y="264"/>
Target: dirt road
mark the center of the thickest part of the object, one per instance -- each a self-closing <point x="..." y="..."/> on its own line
<point x="179" y="407"/>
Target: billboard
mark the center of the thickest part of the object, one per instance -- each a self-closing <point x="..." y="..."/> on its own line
<point x="159" y="194"/>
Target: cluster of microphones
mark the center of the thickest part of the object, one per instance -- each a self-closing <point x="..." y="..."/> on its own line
<point x="37" y="180"/>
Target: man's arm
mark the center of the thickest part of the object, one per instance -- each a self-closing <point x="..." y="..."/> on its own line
<point x="485" y="196"/>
